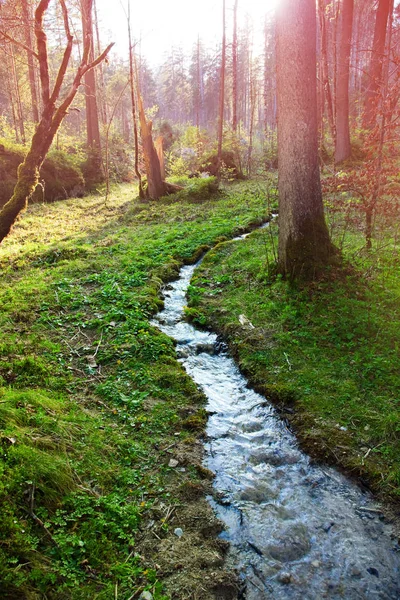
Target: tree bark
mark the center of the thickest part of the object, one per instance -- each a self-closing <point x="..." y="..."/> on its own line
<point x="304" y="244"/>
<point x="376" y="65"/>
<point x="156" y="187"/>
<point x="342" y="146"/>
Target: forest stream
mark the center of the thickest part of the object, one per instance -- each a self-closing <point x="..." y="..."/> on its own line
<point x="296" y="529"/>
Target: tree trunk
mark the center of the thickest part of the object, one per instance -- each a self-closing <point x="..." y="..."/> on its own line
<point x="234" y="68"/>
<point x="133" y="102"/>
<point x="92" y="116"/>
<point x="325" y="69"/>
<point x="376" y="65"/>
<point x="159" y="145"/>
<point x="102" y="87"/>
<point x="304" y="244"/>
<point x="342" y="146"/>
<point x="20" y="113"/>
<point x="156" y="187"/>
<point x="31" y="69"/>
<point x="221" y="93"/>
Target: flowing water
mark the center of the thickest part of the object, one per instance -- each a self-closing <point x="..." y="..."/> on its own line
<point x="296" y="530"/>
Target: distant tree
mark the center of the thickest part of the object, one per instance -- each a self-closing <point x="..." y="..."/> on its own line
<point x="235" y="69"/>
<point x="92" y="115"/>
<point x="376" y="64"/>
<point x="342" y="142"/>
<point x="26" y="17"/>
<point x="304" y="244"/>
<point x="52" y="115"/>
<point x="221" y="91"/>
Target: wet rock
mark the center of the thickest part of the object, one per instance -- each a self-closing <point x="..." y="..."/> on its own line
<point x="182" y="352"/>
<point x="208" y="348"/>
<point x="355" y="572"/>
<point x="274" y="457"/>
<point x="258" y="495"/>
<point x="284" y="578"/>
<point x="252" y="426"/>
<point x="315" y="564"/>
<point x="293" y="543"/>
<point x="328" y="526"/>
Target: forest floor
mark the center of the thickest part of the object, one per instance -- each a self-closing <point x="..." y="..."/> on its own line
<point x="100" y="427"/>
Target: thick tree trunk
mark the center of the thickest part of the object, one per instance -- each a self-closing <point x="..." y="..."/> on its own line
<point x="159" y="145"/>
<point x="376" y="65"/>
<point x="342" y="146"/>
<point x="304" y="244"/>
<point x="156" y="186"/>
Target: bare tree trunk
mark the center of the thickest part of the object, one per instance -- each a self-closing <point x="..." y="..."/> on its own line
<point x="156" y="187"/>
<point x="253" y="101"/>
<point x="376" y="65"/>
<point x="234" y="68"/>
<point x="325" y="69"/>
<point x="12" y="103"/>
<point x="31" y="69"/>
<point x="221" y="93"/>
<point x="20" y="112"/>
<point x="342" y="146"/>
<point x="159" y="145"/>
<point x="133" y="102"/>
<point x="304" y="244"/>
<point x="102" y="87"/>
<point x="92" y="116"/>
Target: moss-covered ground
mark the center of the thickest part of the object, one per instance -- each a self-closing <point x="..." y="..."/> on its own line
<point x="100" y="457"/>
<point x="327" y="352"/>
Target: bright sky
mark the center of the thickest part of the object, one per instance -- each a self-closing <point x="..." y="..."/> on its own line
<point x="162" y="24"/>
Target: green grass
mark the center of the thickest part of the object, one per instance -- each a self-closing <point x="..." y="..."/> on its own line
<point x="91" y="395"/>
<point x="327" y="353"/>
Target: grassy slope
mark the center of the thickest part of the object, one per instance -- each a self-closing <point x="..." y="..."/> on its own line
<point x="93" y="404"/>
<point x="326" y="353"/>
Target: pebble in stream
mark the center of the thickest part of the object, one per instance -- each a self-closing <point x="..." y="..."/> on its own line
<point x="297" y="531"/>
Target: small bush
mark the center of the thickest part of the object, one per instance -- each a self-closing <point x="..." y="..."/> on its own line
<point x="61" y="177"/>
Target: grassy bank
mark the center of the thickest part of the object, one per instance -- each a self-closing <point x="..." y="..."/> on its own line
<point x="99" y="425"/>
<point x="327" y="353"/>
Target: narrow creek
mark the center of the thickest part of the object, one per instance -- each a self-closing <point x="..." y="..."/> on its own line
<point x="296" y="530"/>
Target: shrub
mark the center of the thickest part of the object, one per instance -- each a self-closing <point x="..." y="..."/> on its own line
<point x="61" y="177"/>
